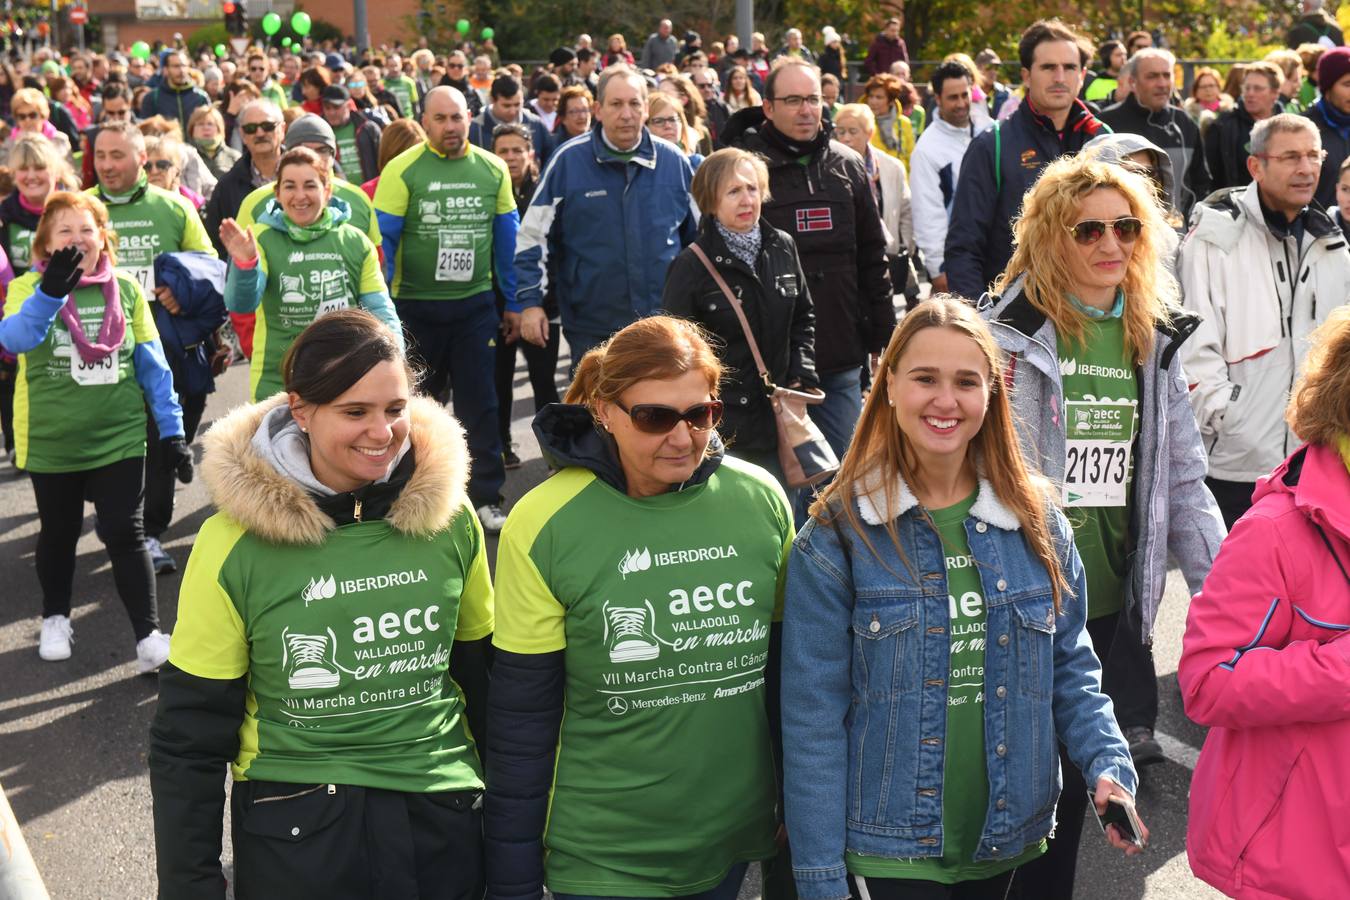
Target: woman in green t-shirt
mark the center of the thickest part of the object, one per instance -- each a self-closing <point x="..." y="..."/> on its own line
<point x="634" y="683"/>
<point x="90" y="362"/>
<point x="332" y="643"/>
<point x="933" y="641"/>
<point x="301" y="260"/>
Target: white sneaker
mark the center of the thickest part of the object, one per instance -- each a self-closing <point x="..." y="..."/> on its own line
<point x="492" y="517"/>
<point x="152" y="651"/>
<point x="56" y="639"/>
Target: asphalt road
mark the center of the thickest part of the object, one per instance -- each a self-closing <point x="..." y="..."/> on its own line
<point x="73" y="734"/>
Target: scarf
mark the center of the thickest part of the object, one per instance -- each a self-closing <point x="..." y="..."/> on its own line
<point x="744" y="245"/>
<point x="1080" y="127"/>
<point x="1338" y="120"/>
<point x="886" y="128"/>
<point x="114" y="327"/>
<point x="210" y="147"/>
<point x="303" y="234"/>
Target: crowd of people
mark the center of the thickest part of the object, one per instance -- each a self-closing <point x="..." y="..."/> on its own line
<point x="889" y="406"/>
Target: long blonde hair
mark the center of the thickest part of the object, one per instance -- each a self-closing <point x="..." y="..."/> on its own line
<point x="880" y="451"/>
<point x="1043" y="247"/>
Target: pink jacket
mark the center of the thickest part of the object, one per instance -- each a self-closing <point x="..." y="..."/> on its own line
<point x="1266" y="664"/>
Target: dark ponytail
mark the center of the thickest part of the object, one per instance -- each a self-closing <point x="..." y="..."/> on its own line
<point x="335" y="352"/>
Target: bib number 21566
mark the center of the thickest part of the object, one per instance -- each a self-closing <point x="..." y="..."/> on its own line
<point x="454" y="257"/>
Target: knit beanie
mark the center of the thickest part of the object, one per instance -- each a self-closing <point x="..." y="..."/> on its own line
<point x="1332" y="67"/>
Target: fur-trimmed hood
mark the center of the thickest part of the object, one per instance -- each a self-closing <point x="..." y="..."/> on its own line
<point x="248" y="489"/>
<point x="870" y="495"/>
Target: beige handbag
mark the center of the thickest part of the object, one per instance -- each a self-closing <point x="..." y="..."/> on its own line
<point x="803" y="453"/>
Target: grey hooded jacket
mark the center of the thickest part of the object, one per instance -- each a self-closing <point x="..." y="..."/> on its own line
<point x="1172" y="508"/>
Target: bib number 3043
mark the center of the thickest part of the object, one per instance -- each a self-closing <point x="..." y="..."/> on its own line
<point x="1099" y="436"/>
<point x="93" y="374"/>
<point x="454" y="257"/>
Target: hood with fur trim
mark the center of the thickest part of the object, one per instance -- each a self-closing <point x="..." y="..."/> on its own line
<point x="870" y="495"/>
<point x="266" y="503"/>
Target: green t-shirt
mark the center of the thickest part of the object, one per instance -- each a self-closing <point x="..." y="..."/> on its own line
<point x="404" y="90"/>
<point x="20" y="248"/>
<point x="1102" y="88"/>
<point x="150" y="221"/>
<point x="346" y="647"/>
<point x="664" y="776"/>
<point x="362" y="210"/>
<point x="448" y="207"/>
<point x="69" y="415"/>
<point x="347" y="155"/>
<point x="303" y="282"/>
<point x="1101" y="416"/>
<point x="965" y="777"/>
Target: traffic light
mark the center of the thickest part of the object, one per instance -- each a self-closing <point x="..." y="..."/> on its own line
<point x="236" y="17"/>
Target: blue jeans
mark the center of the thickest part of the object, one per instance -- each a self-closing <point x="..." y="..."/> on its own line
<point x="727" y="890"/>
<point x="578" y="343"/>
<point x="836" y="418"/>
<point x="456" y="340"/>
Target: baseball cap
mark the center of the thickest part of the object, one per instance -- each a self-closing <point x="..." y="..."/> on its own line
<point x="335" y="94"/>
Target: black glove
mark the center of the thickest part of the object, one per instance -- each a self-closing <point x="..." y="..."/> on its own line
<point x="176" y="457"/>
<point x="63" y="272"/>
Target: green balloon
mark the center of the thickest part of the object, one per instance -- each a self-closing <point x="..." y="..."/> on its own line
<point x="221" y="51"/>
<point x="295" y="48"/>
<point x="462" y="26"/>
<point x="140" y="50"/>
<point x="300" y="23"/>
<point x="488" y="33"/>
<point x="285" y="42"/>
<point x="271" y="23"/>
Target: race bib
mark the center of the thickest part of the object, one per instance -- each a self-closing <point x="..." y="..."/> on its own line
<point x="332" y="294"/>
<point x="145" y="277"/>
<point x="1097" y="452"/>
<point x="454" y="258"/>
<point x="93" y="374"/>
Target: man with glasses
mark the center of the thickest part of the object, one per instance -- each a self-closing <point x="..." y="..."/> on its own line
<point x="177" y="95"/>
<point x="609" y="215"/>
<point x="1263" y="267"/>
<point x="358" y="136"/>
<point x="821" y="195"/>
<point x="705" y="79"/>
<point x="261" y="129"/>
<point x="260" y="73"/>
<point x="1228" y="137"/>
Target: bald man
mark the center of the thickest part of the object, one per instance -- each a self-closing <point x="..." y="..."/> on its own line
<point x="448" y="220"/>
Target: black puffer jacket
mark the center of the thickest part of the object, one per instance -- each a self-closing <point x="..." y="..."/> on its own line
<point x="777" y="304"/>
<point x="827" y="207"/>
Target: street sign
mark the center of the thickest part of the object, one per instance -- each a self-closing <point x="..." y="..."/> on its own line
<point x="78" y="15"/>
<point x="240" y="44"/>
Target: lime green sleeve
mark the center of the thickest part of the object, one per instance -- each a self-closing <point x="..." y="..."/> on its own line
<point x="529" y="617"/>
<point x="476" y="602"/>
<point x="20" y="289"/>
<point x="248" y="210"/>
<point x="372" y="282"/>
<point x="506" y="201"/>
<point x="142" y="317"/>
<point x="210" y="639"/>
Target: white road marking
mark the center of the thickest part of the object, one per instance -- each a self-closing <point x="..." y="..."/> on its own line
<point x="1177" y="751"/>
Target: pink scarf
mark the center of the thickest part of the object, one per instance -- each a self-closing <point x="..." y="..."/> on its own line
<point x="114" y="327"/>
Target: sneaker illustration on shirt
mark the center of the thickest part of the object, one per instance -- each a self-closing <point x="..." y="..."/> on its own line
<point x="310" y="660"/>
<point x="629" y="632"/>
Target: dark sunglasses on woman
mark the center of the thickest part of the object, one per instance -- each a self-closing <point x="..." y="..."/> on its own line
<point x="653" y="418"/>
<point x="163" y="165"/>
<point x="1090" y="231"/>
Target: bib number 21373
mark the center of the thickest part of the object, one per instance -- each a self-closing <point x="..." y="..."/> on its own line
<point x="1099" y="437"/>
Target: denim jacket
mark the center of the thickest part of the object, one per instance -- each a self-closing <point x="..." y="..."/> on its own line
<point x="866" y="647"/>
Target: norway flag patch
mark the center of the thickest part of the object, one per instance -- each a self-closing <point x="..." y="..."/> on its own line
<point x="815" y="219"/>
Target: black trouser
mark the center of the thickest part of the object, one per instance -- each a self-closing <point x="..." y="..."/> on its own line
<point x="542" y="364"/>
<point x="116" y="491"/>
<point x="1128" y="675"/>
<point x="302" y="841"/>
<point x="159" y="484"/>
<point x="993" y="888"/>
<point x="9" y="371"/>
<point x="1050" y="876"/>
<point x="1234" y="498"/>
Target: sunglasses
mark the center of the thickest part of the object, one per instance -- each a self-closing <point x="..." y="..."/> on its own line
<point x="28" y="115"/>
<point x="252" y="127"/>
<point x="1090" y="231"/>
<point x="162" y="165"/>
<point x="652" y="418"/>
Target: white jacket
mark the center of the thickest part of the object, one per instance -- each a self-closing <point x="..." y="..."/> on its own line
<point x="934" y="168"/>
<point x="896" y="213"/>
<point x="1259" y="296"/>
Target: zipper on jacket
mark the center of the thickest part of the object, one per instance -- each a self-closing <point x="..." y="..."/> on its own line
<point x="332" y="789"/>
<point x="356" y="510"/>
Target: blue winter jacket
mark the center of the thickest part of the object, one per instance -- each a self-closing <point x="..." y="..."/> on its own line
<point x="483" y="124"/>
<point x="864" y="700"/>
<point x="197" y="281"/>
<point x="609" y="228"/>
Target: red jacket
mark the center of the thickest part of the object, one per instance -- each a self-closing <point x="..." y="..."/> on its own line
<point x="1266" y="664"/>
<point x="882" y="53"/>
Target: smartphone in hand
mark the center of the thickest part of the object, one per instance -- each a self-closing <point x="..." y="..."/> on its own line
<point x="1120" y="812"/>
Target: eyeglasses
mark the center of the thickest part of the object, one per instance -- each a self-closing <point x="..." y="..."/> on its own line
<point x="252" y="127"/>
<point x="663" y="121"/>
<point x="1090" y="231"/>
<point x="454" y="65"/>
<point x="795" y="101"/>
<point x="579" y="112"/>
<point x="1314" y="157"/>
<point x="28" y="115"/>
<point x="653" y="418"/>
<point x="162" y="165"/>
